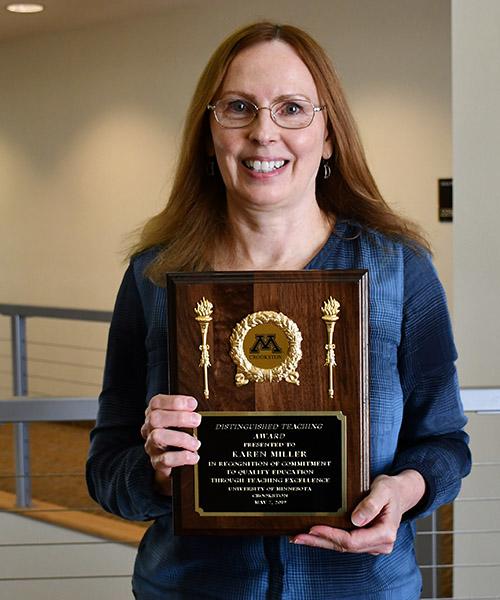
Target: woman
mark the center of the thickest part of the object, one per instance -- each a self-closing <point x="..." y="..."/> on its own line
<point x="271" y="154"/>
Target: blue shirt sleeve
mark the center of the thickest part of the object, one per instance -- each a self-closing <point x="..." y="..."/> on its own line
<point x="119" y="474"/>
<point x="431" y="439"/>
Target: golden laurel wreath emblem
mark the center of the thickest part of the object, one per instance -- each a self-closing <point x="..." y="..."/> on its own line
<point x="285" y="362"/>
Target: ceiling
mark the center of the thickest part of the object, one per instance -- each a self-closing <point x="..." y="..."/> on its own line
<point x="60" y="15"/>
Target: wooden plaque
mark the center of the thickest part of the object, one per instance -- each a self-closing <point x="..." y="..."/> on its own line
<point x="278" y="362"/>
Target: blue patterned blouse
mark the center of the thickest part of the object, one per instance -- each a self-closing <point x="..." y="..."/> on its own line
<point x="416" y="421"/>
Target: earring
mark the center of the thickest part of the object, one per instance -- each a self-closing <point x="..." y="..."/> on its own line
<point x="211" y="166"/>
<point x="326" y="170"/>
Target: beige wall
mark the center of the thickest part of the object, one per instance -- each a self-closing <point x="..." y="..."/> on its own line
<point x="476" y="139"/>
<point x="476" y="132"/>
<point x="91" y="119"/>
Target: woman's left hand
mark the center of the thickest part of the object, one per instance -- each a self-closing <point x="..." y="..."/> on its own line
<point x="377" y="517"/>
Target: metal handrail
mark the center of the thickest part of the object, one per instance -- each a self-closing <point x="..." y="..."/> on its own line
<point x="52" y="312"/>
<point x="28" y="409"/>
<point x="18" y="314"/>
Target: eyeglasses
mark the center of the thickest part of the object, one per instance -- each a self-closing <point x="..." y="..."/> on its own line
<point x="234" y="113"/>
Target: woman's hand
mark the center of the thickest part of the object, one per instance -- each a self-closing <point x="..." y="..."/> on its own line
<point x="377" y="517"/>
<point x="166" y="446"/>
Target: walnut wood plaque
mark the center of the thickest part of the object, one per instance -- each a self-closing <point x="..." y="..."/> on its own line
<point x="278" y="362"/>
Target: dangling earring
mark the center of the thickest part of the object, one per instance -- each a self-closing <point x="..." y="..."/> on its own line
<point x="211" y="166"/>
<point x="326" y="170"/>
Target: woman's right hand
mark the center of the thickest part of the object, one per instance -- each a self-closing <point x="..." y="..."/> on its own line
<point x="166" y="446"/>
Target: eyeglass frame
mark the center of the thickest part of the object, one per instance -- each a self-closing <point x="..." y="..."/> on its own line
<point x="316" y="109"/>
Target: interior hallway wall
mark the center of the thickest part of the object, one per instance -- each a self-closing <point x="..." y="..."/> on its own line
<point x="476" y="139"/>
<point x="476" y="133"/>
<point x="91" y="121"/>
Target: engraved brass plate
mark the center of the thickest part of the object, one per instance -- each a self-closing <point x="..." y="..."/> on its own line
<point x="271" y="463"/>
<point x="265" y="346"/>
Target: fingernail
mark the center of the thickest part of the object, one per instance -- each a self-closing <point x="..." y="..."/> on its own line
<point x="358" y="519"/>
<point x="294" y="540"/>
<point x="191" y="403"/>
<point x="195" y="419"/>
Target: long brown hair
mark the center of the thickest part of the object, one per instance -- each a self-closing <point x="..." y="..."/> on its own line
<point x="186" y="230"/>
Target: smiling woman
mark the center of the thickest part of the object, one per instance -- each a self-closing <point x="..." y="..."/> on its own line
<point x="194" y="225"/>
<point x="272" y="176"/>
<point x="268" y="168"/>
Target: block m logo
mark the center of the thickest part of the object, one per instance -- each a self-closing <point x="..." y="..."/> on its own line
<point x="265" y="342"/>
